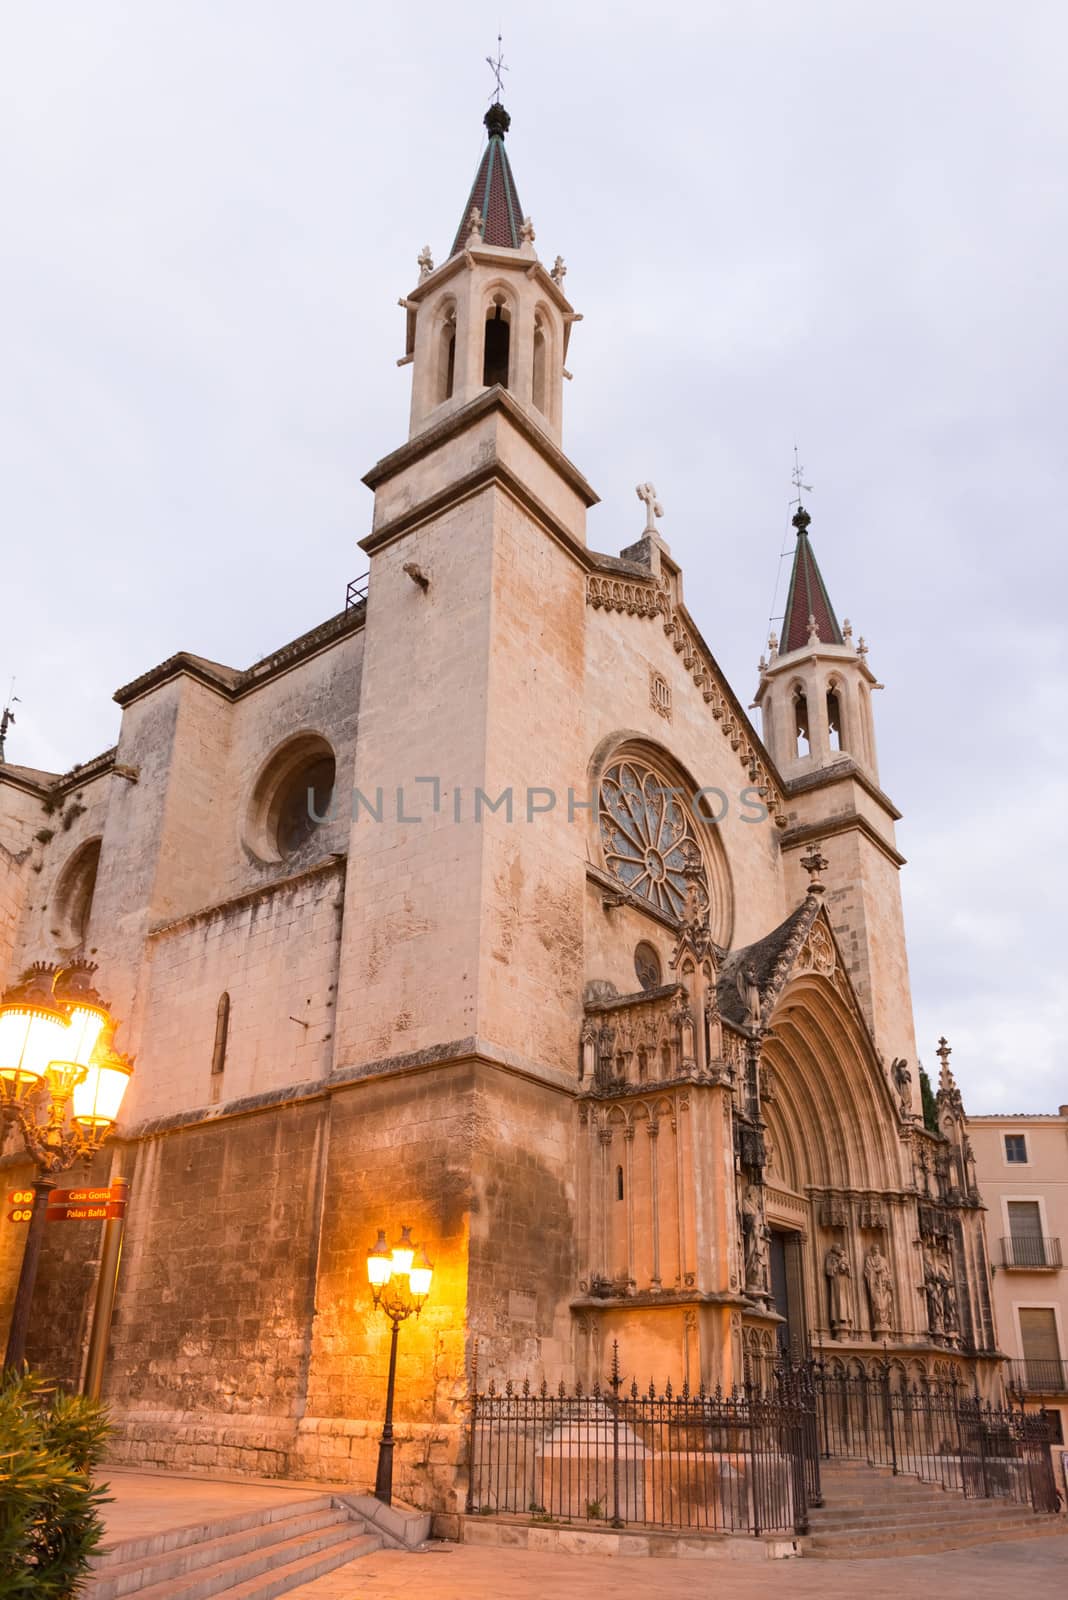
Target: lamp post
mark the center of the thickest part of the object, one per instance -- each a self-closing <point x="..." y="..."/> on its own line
<point x="399" y="1287"/>
<point x="62" y="1084"/>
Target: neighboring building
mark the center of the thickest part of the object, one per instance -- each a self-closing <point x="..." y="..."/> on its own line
<point x="563" y="980"/>
<point x="1022" y="1167"/>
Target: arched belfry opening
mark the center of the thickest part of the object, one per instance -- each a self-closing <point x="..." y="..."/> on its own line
<point x="446" y="356"/>
<point x="540" y="376"/>
<point x="497" y="344"/>
<point x="835" y="733"/>
<point x="802" y="731"/>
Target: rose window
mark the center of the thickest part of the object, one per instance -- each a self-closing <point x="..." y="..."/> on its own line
<point x="648" y="838"/>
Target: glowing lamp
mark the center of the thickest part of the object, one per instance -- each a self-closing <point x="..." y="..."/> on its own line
<point x="97" y="1096"/>
<point x="379" y="1262"/>
<point x="403" y="1253"/>
<point x="420" y="1275"/>
<point x="84" y="1029"/>
<point x="33" y="1032"/>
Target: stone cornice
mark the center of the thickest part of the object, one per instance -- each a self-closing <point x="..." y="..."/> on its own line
<point x="495" y="399"/>
<point x="841" y="772"/>
<point x="846" y="823"/>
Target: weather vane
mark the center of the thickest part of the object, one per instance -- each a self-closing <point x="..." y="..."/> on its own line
<point x="497" y="67"/>
<point x="796" y="481"/>
<point x="7" y="717"/>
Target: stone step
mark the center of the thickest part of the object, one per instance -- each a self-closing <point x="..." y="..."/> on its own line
<point x="970" y="1512"/>
<point x="893" y="1538"/>
<point x="196" y="1533"/>
<point x="854" y="1549"/>
<point x="270" y="1568"/>
<point x="141" y="1563"/>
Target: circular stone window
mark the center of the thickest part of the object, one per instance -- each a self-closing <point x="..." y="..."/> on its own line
<point x="648" y="836"/>
<point x="292" y="799"/>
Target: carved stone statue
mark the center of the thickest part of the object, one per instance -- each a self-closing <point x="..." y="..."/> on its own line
<point x="899" y="1069"/>
<point x="750" y="993"/>
<point x="474" y="226"/>
<point x="933" y="1292"/>
<point x="878" y="1277"/>
<point x="425" y="262"/>
<point x="948" y="1290"/>
<point x="754" y="1236"/>
<point x="558" y="271"/>
<point x="836" y="1270"/>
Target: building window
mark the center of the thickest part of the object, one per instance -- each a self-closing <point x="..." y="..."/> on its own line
<point x="648" y="838"/>
<point x="647" y="966"/>
<point x="495" y="356"/>
<point x="74" y="895"/>
<point x="292" y="799"/>
<point x="619" y="1183"/>
<point x="1041" y="1349"/>
<point x="446" y="356"/>
<point x="1016" y="1149"/>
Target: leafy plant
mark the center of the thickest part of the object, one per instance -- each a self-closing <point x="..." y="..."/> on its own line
<point x="927" y="1101"/>
<point x="50" y="1443"/>
<point x="594" y="1510"/>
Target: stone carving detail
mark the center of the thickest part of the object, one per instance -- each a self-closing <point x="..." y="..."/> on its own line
<point x="425" y="262"/>
<point x="873" y="1214"/>
<point x="637" y="599"/>
<point x="647" y="495"/>
<point x="644" y="1040"/>
<point x="558" y="272"/>
<point x="879" y="1281"/>
<point x="648" y="839"/>
<point x="834" y="1212"/>
<point x="660" y="694"/>
<point x="817" y="952"/>
<point x="836" y="1271"/>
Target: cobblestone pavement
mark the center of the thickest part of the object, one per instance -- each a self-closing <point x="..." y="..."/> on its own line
<point x="1037" y="1569"/>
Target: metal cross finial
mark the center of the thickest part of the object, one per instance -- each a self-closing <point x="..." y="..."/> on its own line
<point x="653" y="509"/>
<point x="944" y="1051"/>
<point x="497" y="67"/>
<point x="795" y="479"/>
<point x="7" y="717"/>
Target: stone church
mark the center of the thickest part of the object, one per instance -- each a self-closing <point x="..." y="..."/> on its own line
<point x="484" y="908"/>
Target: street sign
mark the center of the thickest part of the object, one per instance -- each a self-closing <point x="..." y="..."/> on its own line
<point x="79" y="1197"/>
<point x="20" y="1197"/>
<point x="20" y="1214"/>
<point x="91" y="1213"/>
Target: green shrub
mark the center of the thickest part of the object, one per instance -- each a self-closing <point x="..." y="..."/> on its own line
<point x="50" y="1524"/>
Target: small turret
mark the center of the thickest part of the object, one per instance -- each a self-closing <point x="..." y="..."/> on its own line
<point x="491" y="313"/>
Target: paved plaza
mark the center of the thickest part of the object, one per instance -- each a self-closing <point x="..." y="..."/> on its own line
<point x="456" y="1572"/>
<point x="148" y="1503"/>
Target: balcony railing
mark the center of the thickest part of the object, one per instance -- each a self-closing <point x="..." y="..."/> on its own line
<point x="1039" y="1376"/>
<point x="1031" y="1255"/>
<point x="356" y="591"/>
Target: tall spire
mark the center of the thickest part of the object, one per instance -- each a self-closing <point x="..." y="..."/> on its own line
<point x="493" y="193"/>
<point x="808" y="605"/>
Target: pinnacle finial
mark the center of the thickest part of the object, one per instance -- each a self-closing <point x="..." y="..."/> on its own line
<point x="801" y="520"/>
<point x="497" y="121"/>
<point x="814" y="863"/>
<point x="944" y="1051"/>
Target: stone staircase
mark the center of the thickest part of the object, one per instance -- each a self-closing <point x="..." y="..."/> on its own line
<point x="252" y="1556"/>
<point x="867" y="1512"/>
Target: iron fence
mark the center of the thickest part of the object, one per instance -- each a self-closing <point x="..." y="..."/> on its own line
<point x="937" y="1431"/>
<point x="702" y="1462"/>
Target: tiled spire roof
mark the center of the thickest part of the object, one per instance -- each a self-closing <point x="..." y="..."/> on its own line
<point x="493" y="191"/>
<point x="808" y="596"/>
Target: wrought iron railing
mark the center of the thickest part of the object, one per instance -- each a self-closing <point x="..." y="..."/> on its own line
<point x="1033" y="1253"/>
<point x="936" y="1431"/>
<point x="1039" y="1376"/>
<point x="695" y="1461"/>
<point x="356" y="591"/>
<point x="744" y="1462"/>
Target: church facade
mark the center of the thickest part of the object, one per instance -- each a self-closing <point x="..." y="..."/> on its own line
<point x="484" y="909"/>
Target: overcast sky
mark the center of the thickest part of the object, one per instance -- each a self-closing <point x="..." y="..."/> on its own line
<point x="837" y="223"/>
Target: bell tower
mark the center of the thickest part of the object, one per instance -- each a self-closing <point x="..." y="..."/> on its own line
<point x="814" y="696"/>
<point x="491" y="313"/>
<point x="815" y="689"/>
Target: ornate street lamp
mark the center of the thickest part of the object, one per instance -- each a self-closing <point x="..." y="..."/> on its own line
<point x="62" y="1083"/>
<point x="399" y="1287"/>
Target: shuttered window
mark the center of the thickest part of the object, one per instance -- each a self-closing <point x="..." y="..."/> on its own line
<point x="1041" y="1350"/>
<point x="1025" y="1228"/>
